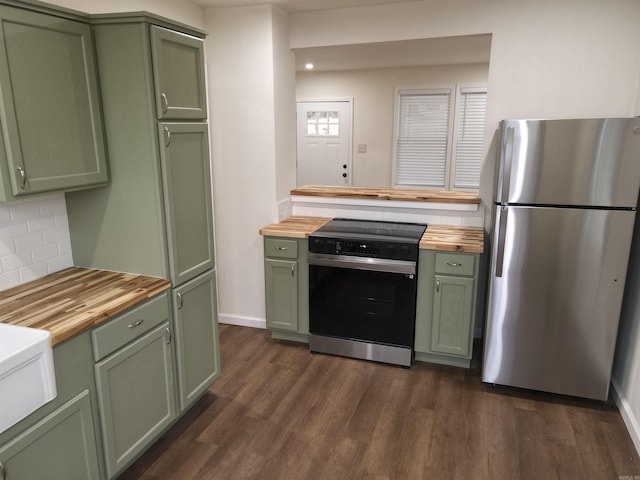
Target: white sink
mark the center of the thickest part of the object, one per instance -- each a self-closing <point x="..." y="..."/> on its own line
<point x="27" y="376"/>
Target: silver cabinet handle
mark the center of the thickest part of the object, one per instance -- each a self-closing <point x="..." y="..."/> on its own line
<point x="293" y="270"/>
<point x="167" y="137"/>
<point x="136" y="324"/>
<point x="3" y="472"/>
<point x="23" y="176"/>
<point x="437" y="285"/>
<point x="179" y="295"/>
<point x="165" y="103"/>
<point x="454" y="264"/>
<point x="166" y="329"/>
<point x="281" y="248"/>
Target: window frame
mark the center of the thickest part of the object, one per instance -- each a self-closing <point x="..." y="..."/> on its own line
<point x="455" y="91"/>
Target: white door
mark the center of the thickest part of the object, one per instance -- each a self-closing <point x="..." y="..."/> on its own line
<point x="324" y="143"/>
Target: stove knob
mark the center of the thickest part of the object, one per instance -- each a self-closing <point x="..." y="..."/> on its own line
<point x="316" y="245"/>
<point x="330" y="246"/>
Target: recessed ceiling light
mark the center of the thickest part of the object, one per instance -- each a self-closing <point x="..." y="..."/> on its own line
<point x="309" y="66"/>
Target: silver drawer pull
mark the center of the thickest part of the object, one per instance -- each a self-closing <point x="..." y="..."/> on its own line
<point x="454" y="264"/>
<point x="166" y="329"/>
<point x="3" y="472"/>
<point x="137" y="324"/>
<point x="438" y="285"/>
<point x="281" y="248"/>
<point x="179" y="295"/>
<point x="293" y="270"/>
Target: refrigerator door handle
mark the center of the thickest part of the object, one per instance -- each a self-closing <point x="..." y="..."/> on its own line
<point x="506" y="166"/>
<point x="502" y="228"/>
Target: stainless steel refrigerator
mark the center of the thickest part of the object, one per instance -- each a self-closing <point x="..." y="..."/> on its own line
<point x="565" y="208"/>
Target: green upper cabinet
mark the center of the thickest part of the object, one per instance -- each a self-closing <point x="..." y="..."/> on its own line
<point x="187" y="198"/>
<point x="50" y="110"/>
<point x="178" y="68"/>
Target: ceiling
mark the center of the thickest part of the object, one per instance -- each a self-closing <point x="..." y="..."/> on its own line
<point x="294" y="6"/>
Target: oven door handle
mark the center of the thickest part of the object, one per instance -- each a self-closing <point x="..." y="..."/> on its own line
<point x="363" y="263"/>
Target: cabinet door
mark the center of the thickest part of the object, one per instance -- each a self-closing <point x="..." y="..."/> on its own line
<point x="62" y="446"/>
<point x="197" y="346"/>
<point x="178" y="68"/>
<point x="50" y="111"/>
<point x="136" y="397"/>
<point x="452" y="308"/>
<point x="281" y="282"/>
<point x="187" y="197"/>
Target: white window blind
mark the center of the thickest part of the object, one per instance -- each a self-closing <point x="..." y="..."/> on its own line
<point x="422" y="138"/>
<point x="472" y="107"/>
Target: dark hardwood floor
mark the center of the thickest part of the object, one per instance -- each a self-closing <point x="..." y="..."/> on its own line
<point x="280" y="412"/>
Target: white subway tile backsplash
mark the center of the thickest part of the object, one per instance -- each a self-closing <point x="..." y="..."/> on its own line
<point x="5" y="214"/>
<point x="45" y="252"/>
<point x="57" y="234"/>
<point x="33" y="272"/>
<point x="29" y="241"/>
<point x="24" y="210"/>
<point x="12" y="230"/>
<point x="15" y="261"/>
<point x="41" y="223"/>
<point x="10" y="279"/>
<point x="34" y="239"/>
<point x="60" y="263"/>
<point x="7" y="246"/>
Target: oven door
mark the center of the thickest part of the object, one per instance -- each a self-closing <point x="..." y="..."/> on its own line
<point x="365" y="299"/>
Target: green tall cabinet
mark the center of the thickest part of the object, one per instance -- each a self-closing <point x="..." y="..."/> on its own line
<point x="446" y="306"/>
<point x="52" y="133"/>
<point x="155" y="217"/>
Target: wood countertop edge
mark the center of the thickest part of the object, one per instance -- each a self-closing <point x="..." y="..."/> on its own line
<point x="51" y="305"/>
<point x="411" y="195"/>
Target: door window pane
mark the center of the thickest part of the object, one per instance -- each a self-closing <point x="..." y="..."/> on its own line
<point x="323" y="124"/>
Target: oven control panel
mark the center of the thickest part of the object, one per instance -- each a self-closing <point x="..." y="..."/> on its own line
<point x="363" y="248"/>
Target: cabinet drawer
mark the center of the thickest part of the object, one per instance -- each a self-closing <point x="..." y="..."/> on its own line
<point x="455" y="264"/>
<point x="275" y="247"/>
<point x="118" y="332"/>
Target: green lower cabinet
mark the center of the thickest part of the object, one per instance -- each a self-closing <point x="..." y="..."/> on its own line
<point x="136" y="397"/>
<point x="445" y="307"/>
<point x="59" y="447"/>
<point x="196" y="342"/>
<point x="452" y="323"/>
<point x="287" y="288"/>
<point x="282" y="294"/>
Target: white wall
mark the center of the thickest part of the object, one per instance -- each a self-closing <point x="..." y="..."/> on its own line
<point x="243" y="45"/>
<point x="373" y="93"/>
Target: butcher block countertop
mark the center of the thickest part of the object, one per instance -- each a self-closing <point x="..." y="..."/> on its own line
<point x="294" y="227"/>
<point x="436" y="237"/>
<point x="453" y="239"/>
<point x="74" y="300"/>
<point x="436" y="196"/>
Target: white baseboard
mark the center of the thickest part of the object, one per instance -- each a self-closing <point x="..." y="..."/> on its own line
<point x="628" y="416"/>
<point x="242" y="321"/>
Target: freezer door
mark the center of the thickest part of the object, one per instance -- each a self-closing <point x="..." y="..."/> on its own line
<point x="557" y="279"/>
<point x="588" y="162"/>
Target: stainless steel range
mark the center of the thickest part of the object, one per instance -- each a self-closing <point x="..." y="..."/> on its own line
<point x="362" y="289"/>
